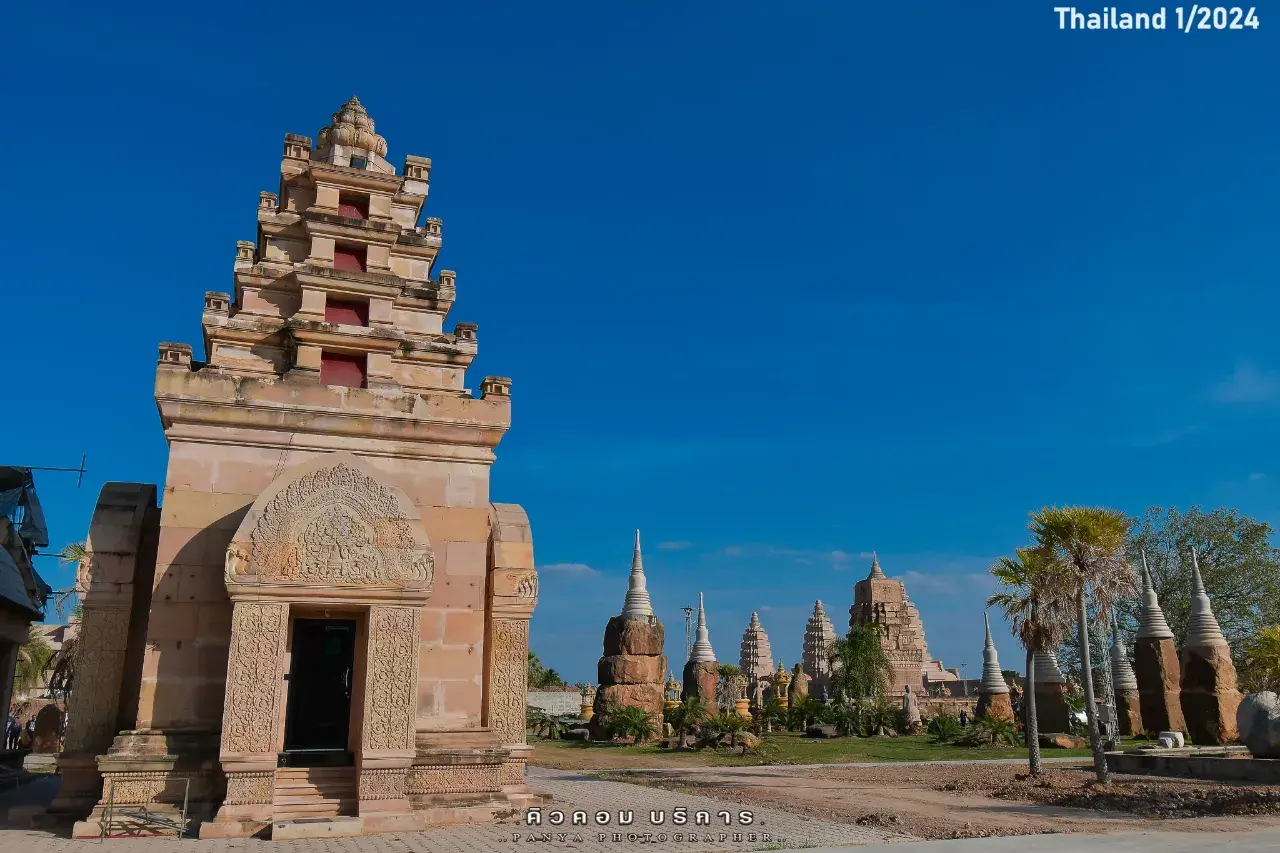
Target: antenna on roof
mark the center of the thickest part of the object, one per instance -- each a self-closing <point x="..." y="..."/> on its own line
<point x="80" y="470"/>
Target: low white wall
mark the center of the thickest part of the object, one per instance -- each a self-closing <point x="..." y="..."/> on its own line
<point x="556" y="701"/>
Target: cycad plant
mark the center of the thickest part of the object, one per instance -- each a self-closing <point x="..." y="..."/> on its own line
<point x="945" y="728"/>
<point x="990" y="731"/>
<point x="686" y="716"/>
<point x="628" y="721"/>
<point x="1035" y="600"/>
<point x="1090" y="543"/>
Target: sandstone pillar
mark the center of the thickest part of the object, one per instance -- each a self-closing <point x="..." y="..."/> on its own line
<point x="1051" y="694"/>
<point x="702" y="672"/>
<point x="114" y="580"/>
<point x="390" y="710"/>
<point x="1155" y="665"/>
<point x="251" y="715"/>
<point x="1209" y="695"/>
<point x="1125" y="686"/>
<point x="993" y="692"/>
<point x="630" y="672"/>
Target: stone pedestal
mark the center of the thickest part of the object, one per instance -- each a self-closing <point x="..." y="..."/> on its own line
<point x="1155" y="664"/>
<point x="701" y="681"/>
<point x="997" y="706"/>
<point x="743" y="708"/>
<point x="1129" y="709"/>
<point x="1209" y="695"/>
<point x="631" y="670"/>
<point x="1051" y="708"/>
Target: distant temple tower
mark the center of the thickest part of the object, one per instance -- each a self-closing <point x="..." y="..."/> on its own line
<point x="756" y="658"/>
<point x="336" y="639"/>
<point x="819" y="639"/>
<point x="883" y="601"/>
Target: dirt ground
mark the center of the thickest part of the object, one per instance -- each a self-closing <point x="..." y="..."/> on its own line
<point x="968" y="801"/>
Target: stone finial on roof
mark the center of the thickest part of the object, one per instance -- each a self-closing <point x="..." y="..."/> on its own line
<point x="637" y="604"/>
<point x="352" y="127"/>
<point x="1122" y="676"/>
<point x="876" y="574"/>
<point x="992" y="679"/>
<point x="702" y="651"/>
<point x="1151" y="622"/>
<point x="1202" y="628"/>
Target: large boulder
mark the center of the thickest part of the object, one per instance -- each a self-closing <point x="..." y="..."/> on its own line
<point x="1057" y="740"/>
<point x="632" y="669"/>
<point x="634" y="637"/>
<point x="1258" y="719"/>
<point x="821" y="730"/>
<point x="701" y="678"/>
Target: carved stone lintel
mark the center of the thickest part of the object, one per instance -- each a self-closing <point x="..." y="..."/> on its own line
<point x="254" y="788"/>
<point x="383" y="783"/>
<point x="508" y="676"/>
<point x="255" y="672"/>
<point x="390" y="696"/>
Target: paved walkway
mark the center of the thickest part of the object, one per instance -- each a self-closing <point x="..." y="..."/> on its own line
<point x="748" y="768"/>
<point x="769" y="828"/>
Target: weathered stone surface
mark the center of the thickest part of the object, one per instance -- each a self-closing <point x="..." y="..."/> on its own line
<point x="1155" y="663"/>
<point x="1209" y="695"/>
<point x="822" y="731"/>
<point x="883" y="601"/>
<point x="1258" y="721"/>
<point x="1058" y="740"/>
<point x="631" y="669"/>
<point x="48" y="729"/>
<point x="634" y="637"/>
<point x="995" y="705"/>
<point x="647" y="696"/>
<point x="1051" y="708"/>
<point x="701" y="680"/>
<point x="1129" y="709"/>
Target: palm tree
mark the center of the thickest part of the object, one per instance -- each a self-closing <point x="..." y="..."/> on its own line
<point x="1032" y="600"/>
<point x="860" y="667"/>
<point x="34" y="660"/>
<point x="687" y="715"/>
<point x="1091" y="541"/>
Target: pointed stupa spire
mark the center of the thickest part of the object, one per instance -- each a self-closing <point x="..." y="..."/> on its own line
<point x="1047" y="669"/>
<point x="702" y="652"/>
<point x="1152" y="622"/>
<point x="876" y="574"/>
<point x="992" y="679"/>
<point x="1122" y="676"/>
<point x="637" y="605"/>
<point x="1202" y="627"/>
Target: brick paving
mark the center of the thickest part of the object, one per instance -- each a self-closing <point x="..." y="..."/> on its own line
<point x="570" y="790"/>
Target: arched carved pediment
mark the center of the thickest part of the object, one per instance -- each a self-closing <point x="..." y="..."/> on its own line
<point x="332" y="523"/>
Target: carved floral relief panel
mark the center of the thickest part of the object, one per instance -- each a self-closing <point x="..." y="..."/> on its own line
<point x="255" y="669"/>
<point x="509" y="674"/>
<point x="391" y="686"/>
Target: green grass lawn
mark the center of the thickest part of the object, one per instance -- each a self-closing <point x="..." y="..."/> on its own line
<point x="788" y="748"/>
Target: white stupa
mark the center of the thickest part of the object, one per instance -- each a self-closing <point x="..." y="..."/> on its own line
<point x="702" y="651"/>
<point x="1202" y="628"/>
<point x="992" y="679"/>
<point x="637" y="605"/>
<point x="1152" y="622"/>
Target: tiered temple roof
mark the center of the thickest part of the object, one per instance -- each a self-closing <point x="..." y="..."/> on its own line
<point x="819" y="637"/>
<point x="883" y="601"/>
<point x="756" y="658"/>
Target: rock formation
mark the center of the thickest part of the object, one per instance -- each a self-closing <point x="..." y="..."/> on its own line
<point x="1209" y="695"/>
<point x="702" y="672"/>
<point x="630" y="672"/>
<point x="1051" y="694"/>
<point x="993" y="692"/>
<point x="819" y="638"/>
<point x="1258" y="720"/>
<point x="1155" y="665"/>
<point x="1125" y="685"/>
<point x="756" y="659"/>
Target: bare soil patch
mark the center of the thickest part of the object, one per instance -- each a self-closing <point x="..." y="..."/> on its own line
<point x="973" y="801"/>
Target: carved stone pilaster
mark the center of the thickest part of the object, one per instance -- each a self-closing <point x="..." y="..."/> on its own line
<point x="508" y="677"/>
<point x="390" y="694"/>
<point x="255" y="671"/>
<point x="94" y="704"/>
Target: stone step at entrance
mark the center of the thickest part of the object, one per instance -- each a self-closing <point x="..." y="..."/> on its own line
<point x="308" y="793"/>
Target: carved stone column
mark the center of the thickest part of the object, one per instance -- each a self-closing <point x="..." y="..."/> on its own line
<point x="251" y="712"/>
<point x="390" y="709"/>
<point x="513" y="593"/>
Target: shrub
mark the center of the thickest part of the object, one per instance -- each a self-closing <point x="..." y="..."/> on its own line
<point x="714" y="730"/>
<point x="547" y="725"/>
<point x="989" y="731"/>
<point x="628" y="721"/>
<point x="686" y="716"/>
<point x="847" y="717"/>
<point x="945" y="728"/>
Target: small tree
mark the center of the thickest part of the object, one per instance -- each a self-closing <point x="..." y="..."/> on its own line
<point x="727" y="688"/>
<point x="1262" y="661"/>
<point x="628" y="721"/>
<point x="35" y="659"/>
<point x="686" y="716"/>
<point x="861" y="668"/>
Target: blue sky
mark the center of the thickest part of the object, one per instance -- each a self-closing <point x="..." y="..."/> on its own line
<point x="778" y="284"/>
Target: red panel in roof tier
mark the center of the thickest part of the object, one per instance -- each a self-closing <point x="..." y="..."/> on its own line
<point x="348" y="313"/>
<point x="348" y="258"/>
<point x="345" y="370"/>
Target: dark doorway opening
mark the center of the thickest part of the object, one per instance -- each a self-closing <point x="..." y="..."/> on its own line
<point x="318" y="714"/>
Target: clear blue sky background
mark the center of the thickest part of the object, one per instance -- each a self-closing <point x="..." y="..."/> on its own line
<point x="779" y="284"/>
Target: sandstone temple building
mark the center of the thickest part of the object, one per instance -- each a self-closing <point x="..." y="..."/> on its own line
<point x="319" y="622"/>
